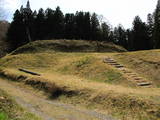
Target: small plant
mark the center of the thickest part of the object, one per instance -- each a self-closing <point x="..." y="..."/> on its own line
<point x="83" y="61"/>
<point x="112" y="76"/>
<point x="3" y="116"/>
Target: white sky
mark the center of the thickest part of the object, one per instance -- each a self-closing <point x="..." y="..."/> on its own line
<point x="115" y="11"/>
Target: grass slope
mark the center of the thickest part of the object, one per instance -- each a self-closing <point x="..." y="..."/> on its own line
<point x="82" y="78"/>
<point x="147" y="63"/>
<point x="68" y="46"/>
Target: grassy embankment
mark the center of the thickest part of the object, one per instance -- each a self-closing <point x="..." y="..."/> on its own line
<point x="83" y="79"/>
<point x="147" y="63"/>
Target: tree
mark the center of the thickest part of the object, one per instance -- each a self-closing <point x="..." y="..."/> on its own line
<point x="95" y="27"/>
<point x="16" y="32"/>
<point x="87" y="26"/>
<point x="79" y="25"/>
<point x="150" y="25"/>
<point x="40" y="25"/>
<point x="129" y="38"/>
<point x="27" y="20"/>
<point x="58" y="29"/>
<point x="49" y="23"/>
<point x="120" y="36"/>
<point x="156" y="34"/>
<point x="106" y="31"/>
<point x="140" y="35"/>
<point x="69" y="26"/>
<point x="20" y="29"/>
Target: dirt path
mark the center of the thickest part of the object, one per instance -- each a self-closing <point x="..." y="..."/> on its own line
<point x="37" y="103"/>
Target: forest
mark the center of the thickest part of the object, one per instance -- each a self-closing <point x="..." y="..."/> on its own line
<point x="49" y="24"/>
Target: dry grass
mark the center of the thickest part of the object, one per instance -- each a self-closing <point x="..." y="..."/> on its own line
<point x="126" y="102"/>
<point x="84" y="65"/>
<point x="83" y="79"/>
<point x="68" y="46"/>
<point x="146" y="63"/>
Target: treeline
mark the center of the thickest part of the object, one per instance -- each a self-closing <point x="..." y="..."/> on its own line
<point x="53" y="24"/>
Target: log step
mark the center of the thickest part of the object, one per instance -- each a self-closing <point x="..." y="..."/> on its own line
<point x="29" y="72"/>
<point x="144" y="84"/>
<point x="119" y="66"/>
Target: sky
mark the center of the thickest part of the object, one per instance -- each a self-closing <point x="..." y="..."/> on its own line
<point x="114" y="11"/>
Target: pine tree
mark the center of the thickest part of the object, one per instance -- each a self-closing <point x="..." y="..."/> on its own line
<point x="87" y="26"/>
<point x="58" y="29"/>
<point x="49" y="23"/>
<point x="95" y="27"/>
<point x="140" y="35"/>
<point x="156" y="34"/>
<point x="79" y="25"/>
<point x="150" y="25"/>
<point x="105" y="29"/>
<point x="27" y="20"/>
<point x="40" y="25"/>
<point x="16" y="32"/>
<point x="20" y="30"/>
<point x="69" y="26"/>
<point x="121" y="36"/>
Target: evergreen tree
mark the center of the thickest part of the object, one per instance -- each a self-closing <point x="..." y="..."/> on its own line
<point x="40" y="25"/>
<point x="156" y="34"/>
<point x="129" y="39"/>
<point x="140" y="35"/>
<point x="49" y="23"/>
<point x="69" y="26"/>
<point x="79" y="25"/>
<point x="95" y="27"/>
<point x="105" y="29"/>
<point x="27" y="20"/>
<point x="150" y="25"/>
<point x="87" y="26"/>
<point x="20" y="30"/>
<point x="16" y="32"/>
<point x="58" y="24"/>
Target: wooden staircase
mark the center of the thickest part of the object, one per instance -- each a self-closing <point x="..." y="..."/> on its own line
<point x="130" y="75"/>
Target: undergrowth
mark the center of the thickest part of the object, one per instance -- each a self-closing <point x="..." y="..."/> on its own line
<point x="126" y="104"/>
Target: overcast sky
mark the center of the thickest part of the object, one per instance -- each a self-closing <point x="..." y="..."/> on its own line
<point x="115" y="11"/>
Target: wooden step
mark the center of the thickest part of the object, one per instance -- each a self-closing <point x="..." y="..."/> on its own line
<point x="111" y="62"/>
<point x="119" y="66"/>
<point x="114" y="64"/>
<point x="131" y="73"/>
<point x="141" y="81"/>
<point x="144" y="84"/>
<point x="134" y="77"/>
<point x="127" y="72"/>
<point x="138" y="78"/>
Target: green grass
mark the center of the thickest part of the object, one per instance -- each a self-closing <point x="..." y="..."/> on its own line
<point x="3" y="116"/>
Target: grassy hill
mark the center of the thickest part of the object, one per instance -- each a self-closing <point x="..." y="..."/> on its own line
<point x="74" y="76"/>
<point x="69" y="46"/>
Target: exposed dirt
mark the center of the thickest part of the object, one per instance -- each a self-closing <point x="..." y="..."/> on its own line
<point x="39" y="104"/>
